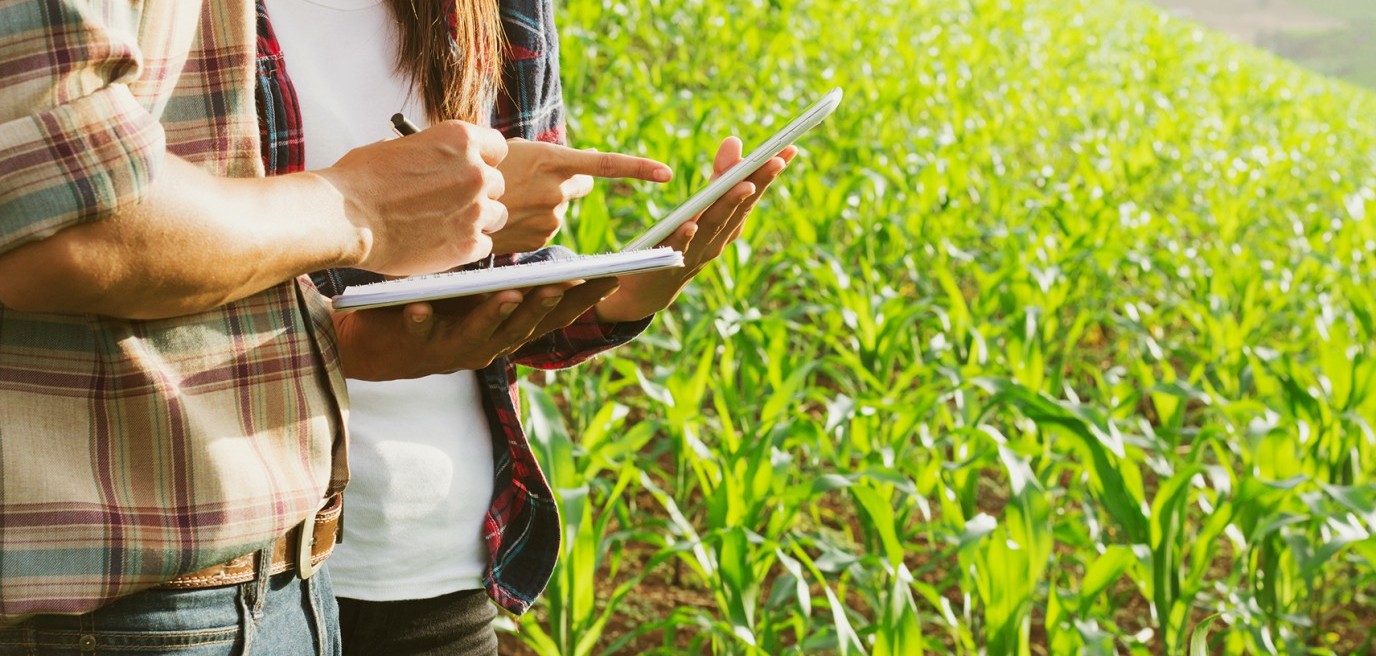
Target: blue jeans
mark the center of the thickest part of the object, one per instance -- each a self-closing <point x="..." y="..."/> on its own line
<point x="272" y="616"/>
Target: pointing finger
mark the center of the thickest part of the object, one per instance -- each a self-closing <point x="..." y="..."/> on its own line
<point x="612" y="165"/>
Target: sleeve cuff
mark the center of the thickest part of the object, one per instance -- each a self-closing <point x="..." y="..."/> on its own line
<point x="76" y="163"/>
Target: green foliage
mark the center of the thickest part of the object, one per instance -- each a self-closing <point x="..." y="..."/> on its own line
<point x="1057" y="338"/>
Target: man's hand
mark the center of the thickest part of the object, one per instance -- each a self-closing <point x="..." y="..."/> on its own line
<point x="427" y="202"/>
<point x="421" y="339"/>
<point x="542" y="178"/>
<point x="700" y="240"/>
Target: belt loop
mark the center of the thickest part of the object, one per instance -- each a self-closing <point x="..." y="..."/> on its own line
<point x="262" y="581"/>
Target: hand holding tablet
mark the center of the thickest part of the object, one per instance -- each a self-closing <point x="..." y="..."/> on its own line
<point x="700" y="201"/>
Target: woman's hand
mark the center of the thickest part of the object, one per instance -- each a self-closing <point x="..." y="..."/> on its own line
<point x="541" y="179"/>
<point x="421" y="339"/>
<point x="700" y="240"/>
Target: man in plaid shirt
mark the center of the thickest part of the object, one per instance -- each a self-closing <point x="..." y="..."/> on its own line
<point x="169" y="423"/>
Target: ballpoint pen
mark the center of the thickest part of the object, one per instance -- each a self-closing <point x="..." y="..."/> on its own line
<point x="403" y="126"/>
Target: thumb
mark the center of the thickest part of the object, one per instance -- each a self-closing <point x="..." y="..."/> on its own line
<point x="680" y="239"/>
<point x="727" y="155"/>
<point x="419" y="319"/>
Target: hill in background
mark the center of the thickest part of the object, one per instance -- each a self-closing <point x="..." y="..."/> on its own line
<point x="1334" y="37"/>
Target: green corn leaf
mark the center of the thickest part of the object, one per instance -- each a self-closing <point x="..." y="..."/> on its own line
<point x="1199" y="641"/>
<point x="1102" y="573"/>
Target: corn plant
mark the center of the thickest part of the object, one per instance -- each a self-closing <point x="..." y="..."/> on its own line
<point x="1056" y="338"/>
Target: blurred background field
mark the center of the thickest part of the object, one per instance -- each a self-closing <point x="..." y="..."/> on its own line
<point x="1057" y="338"/>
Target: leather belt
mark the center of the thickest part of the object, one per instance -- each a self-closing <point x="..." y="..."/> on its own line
<point x="321" y="529"/>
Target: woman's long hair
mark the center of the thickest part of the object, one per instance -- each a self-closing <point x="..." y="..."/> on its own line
<point x="453" y="82"/>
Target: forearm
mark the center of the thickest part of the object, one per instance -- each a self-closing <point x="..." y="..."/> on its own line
<point x="194" y="243"/>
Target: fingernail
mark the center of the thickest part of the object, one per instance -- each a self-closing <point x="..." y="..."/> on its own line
<point x="417" y="318"/>
<point x="692" y="229"/>
<point x="663" y="175"/>
<point x="507" y="308"/>
<point x="552" y="301"/>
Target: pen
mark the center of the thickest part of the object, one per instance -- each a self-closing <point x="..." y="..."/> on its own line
<point x="403" y="126"/>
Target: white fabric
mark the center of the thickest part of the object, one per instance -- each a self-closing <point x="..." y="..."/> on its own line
<point x="420" y="450"/>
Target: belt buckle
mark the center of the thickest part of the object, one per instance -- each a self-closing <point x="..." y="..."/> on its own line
<point x="304" y="543"/>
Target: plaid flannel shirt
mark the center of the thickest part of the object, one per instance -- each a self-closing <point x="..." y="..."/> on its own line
<point x="135" y="451"/>
<point x="522" y="525"/>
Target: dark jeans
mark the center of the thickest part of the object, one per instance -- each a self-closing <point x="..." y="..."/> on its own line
<point x="277" y="616"/>
<point x="456" y="624"/>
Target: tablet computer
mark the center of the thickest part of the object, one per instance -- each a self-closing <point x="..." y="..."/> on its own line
<point x="742" y="170"/>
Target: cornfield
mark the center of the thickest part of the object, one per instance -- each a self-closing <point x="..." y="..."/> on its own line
<point x="1057" y="338"/>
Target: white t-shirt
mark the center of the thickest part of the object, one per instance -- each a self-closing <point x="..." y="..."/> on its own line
<point x="420" y="450"/>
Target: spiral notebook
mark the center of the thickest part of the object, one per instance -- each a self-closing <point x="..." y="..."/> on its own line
<point x="566" y="267"/>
